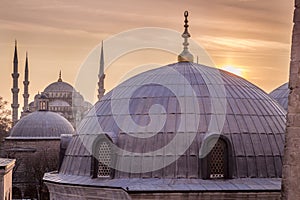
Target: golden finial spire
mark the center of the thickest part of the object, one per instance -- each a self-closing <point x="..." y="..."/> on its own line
<point x="59" y="78"/>
<point x="185" y="55"/>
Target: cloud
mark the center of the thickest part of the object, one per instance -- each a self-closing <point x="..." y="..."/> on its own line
<point x="241" y="44"/>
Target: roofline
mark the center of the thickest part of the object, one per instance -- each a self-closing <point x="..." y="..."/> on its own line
<point x="83" y="184"/>
<point x="163" y="191"/>
<point x="8" y="166"/>
<point x="32" y="138"/>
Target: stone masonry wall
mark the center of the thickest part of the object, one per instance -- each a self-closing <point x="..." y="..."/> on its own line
<point x="291" y="163"/>
<point x="28" y="155"/>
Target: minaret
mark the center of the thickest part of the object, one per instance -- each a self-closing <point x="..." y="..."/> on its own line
<point x="101" y="75"/>
<point x="26" y="83"/>
<point x="185" y="55"/>
<point x="291" y="159"/>
<point x="15" y="89"/>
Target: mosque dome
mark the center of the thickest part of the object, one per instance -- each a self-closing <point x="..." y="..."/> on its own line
<point x="41" y="125"/>
<point x="167" y="103"/>
<point x="59" y="86"/>
<point x="281" y="95"/>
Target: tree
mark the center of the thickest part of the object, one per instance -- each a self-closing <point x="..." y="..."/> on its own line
<point x="5" y="121"/>
<point x="35" y="166"/>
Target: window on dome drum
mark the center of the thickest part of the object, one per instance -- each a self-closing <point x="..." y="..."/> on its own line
<point x="104" y="160"/>
<point x="217" y="165"/>
<point x="43" y="105"/>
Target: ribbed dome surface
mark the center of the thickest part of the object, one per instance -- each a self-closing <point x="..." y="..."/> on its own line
<point x="254" y="124"/>
<point x="59" y="86"/>
<point x="41" y="124"/>
<point x="281" y="95"/>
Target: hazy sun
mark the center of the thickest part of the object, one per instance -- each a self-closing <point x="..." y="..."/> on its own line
<point x="233" y="70"/>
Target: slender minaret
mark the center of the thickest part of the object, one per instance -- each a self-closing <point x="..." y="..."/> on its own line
<point x="26" y="83"/>
<point x="15" y="89"/>
<point x="291" y="158"/>
<point x="101" y="75"/>
<point x="186" y="55"/>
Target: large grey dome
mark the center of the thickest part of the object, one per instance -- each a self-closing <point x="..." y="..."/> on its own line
<point x="41" y="125"/>
<point x="254" y="124"/>
<point x="281" y="95"/>
<point x="59" y="86"/>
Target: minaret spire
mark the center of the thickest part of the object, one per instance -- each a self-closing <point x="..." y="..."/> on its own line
<point x="59" y="77"/>
<point x="101" y="75"/>
<point x="15" y="88"/>
<point x="26" y="83"/>
<point x="185" y="55"/>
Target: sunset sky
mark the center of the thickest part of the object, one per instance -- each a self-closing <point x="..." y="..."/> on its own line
<point x="252" y="36"/>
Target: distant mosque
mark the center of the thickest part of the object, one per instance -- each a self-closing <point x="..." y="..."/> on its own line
<point x="61" y="97"/>
<point x="36" y="139"/>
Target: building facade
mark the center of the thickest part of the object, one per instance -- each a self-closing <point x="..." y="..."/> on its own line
<point x="6" y="169"/>
<point x="35" y="144"/>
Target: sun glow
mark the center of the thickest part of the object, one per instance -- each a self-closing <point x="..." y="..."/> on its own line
<point x="233" y="70"/>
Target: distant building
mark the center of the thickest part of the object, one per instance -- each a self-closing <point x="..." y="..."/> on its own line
<point x="37" y="139"/>
<point x="6" y="170"/>
<point x="34" y="142"/>
<point x="63" y="97"/>
<point x="281" y="95"/>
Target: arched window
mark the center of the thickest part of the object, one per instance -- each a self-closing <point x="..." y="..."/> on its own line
<point x="217" y="161"/>
<point x="104" y="159"/>
<point x="217" y="164"/>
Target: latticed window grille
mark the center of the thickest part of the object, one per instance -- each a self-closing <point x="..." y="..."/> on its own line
<point x="104" y="160"/>
<point x="217" y="160"/>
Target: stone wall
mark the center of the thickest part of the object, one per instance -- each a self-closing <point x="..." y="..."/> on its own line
<point x="31" y="157"/>
<point x="64" y="192"/>
<point x="208" y="196"/>
<point x="291" y="163"/>
<point x="67" y="192"/>
<point x="6" y="179"/>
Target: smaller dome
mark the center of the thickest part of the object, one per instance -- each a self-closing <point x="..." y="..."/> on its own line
<point x="58" y="103"/>
<point x="40" y="125"/>
<point x="87" y="104"/>
<point x="43" y="96"/>
<point x="281" y="95"/>
<point x="59" y="86"/>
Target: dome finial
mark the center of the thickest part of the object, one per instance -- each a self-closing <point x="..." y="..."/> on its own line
<point x="59" y="78"/>
<point x="185" y="55"/>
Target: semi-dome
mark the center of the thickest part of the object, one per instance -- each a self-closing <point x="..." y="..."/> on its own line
<point x="41" y="125"/>
<point x="281" y="95"/>
<point x="165" y="104"/>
